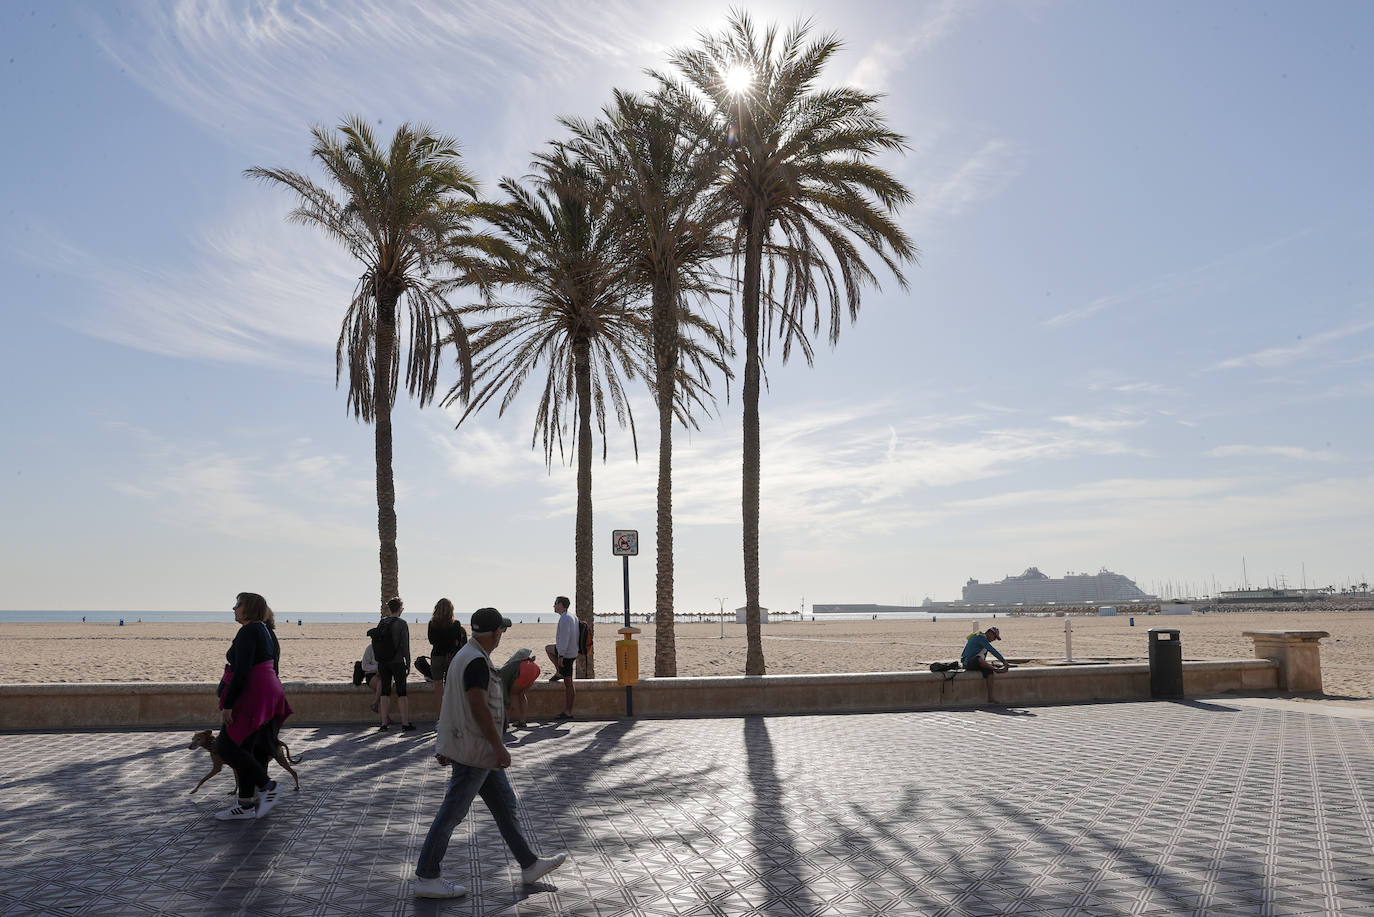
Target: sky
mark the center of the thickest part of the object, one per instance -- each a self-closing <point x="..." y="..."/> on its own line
<point x="1140" y="335"/>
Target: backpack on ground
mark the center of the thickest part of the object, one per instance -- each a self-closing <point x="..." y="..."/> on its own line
<point x="383" y="640"/>
<point x="584" y="638"/>
<point x="944" y="666"/>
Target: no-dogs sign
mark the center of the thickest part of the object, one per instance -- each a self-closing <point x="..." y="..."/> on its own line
<point x="625" y="543"/>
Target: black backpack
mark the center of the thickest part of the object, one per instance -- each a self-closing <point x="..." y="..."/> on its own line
<point x="584" y="638"/>
<point x="383" y="640"/>
<point x="944" y="666"/>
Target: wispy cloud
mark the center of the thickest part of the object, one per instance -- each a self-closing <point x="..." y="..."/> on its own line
<point x="1088" y="311"/>
<point x="982" y="175"/>
<point x="1289" y="452"/>
<point x="230" y="64"/>
<point x="1272" y="357"/>
<point x="1098" y="424"/>
<point x="250" y="495"/>
<point x="874" y="71"/>
<point x="1171" y="284"/>
<point x="255" y="289"/>
<point x="833" y="469"/>
<point x="1134" y="388"/>
<point x="476" y="454"/>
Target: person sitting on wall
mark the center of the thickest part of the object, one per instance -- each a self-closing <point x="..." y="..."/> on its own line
<point x="975" y="655"/>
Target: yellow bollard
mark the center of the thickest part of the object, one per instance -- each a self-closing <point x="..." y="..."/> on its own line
<point x="627" y="657"/>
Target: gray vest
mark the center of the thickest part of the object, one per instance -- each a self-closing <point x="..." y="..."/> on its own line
<point x="459" y="737"/>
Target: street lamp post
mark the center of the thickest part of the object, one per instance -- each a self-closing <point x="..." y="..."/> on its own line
<point x="721" y="599"/>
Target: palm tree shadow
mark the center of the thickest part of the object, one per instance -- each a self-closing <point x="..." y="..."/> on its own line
<point x="784" y="883"/>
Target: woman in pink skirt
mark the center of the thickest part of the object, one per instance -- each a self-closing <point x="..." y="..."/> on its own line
<point x="252" y="707"/>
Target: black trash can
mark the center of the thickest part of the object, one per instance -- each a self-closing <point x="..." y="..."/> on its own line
<point x="1166" y="663"/>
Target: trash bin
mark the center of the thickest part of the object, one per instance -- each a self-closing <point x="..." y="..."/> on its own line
<point x="1166" y="663"/>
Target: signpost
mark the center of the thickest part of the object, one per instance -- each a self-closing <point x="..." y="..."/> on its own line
<point x="625" y="544"/>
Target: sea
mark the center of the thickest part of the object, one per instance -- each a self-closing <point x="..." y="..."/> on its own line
<point x="348" y="617"/>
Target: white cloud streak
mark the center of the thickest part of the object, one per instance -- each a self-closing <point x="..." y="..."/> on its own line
<point x="833" y="469"/>
<point x="233" y="65"/>
<point x="1272" y="357"/>
<point x="1169" y="285"/>
<point x="1289" y="452"/>
<point x="874" y="71"/>
<point x="257" y="290"/>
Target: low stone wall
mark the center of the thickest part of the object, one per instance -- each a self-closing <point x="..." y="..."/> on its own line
<point x="97" y="706"/>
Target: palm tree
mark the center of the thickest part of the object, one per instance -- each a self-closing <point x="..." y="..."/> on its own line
<point x="404" y="213"/>
<point x="664" y="177"/>
<point x="809" y="200"/>
<point x="573" y="314"/>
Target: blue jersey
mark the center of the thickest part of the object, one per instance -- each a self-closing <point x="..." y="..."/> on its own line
<point x="978" y="644"/>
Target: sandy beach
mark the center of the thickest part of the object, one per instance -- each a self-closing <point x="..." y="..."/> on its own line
<point x="58" y="653"/>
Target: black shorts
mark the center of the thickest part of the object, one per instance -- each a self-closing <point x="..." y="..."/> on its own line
<point x="565" y="666"/>
<point x="977" y="664"/>
<point x="392" y="670"/>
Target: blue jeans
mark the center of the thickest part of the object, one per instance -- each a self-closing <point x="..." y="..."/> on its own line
<point x="467" y="783"/>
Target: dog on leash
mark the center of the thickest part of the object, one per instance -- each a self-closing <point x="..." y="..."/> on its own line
<point x="206" y="739"/>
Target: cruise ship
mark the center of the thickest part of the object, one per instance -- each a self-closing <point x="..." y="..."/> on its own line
<point x="1034" y="587"/>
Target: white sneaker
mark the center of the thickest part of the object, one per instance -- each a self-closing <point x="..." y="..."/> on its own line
<point x="267" y="798"/>
<point x="437" y="888"/>
<point x="236" y="813"/>
<point x="541" y="868"/>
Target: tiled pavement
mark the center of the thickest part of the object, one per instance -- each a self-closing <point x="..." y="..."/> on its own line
<point x="1205" y="807"/>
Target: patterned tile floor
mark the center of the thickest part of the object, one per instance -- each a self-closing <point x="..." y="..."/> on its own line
<point x="1234" y="807"/>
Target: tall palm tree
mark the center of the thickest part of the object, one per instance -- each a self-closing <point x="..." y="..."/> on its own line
<point x="809" y="201"/>
<point x="404" y="213"/>
<point x="573" y="313"/>
<point x="663" y="174"/>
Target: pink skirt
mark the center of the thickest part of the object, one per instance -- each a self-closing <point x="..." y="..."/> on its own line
<point x="262" y="701"/>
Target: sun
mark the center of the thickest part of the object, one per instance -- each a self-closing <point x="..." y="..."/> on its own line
<point x="738" y="79"/>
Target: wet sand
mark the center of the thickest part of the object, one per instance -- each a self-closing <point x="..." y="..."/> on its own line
<point x="56" y="653"/>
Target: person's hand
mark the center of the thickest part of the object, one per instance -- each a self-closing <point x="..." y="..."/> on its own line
<point x="227" y="716"/>
<point x="502" y="758"/>
<point x="443" y="762"/>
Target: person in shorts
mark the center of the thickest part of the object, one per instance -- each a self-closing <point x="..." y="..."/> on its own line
<point x="975" y="655"/>
<point x="563" y="653"/>
<point x="395" y="669"/>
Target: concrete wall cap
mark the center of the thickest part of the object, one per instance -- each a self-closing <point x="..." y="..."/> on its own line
<point x="1299" y="635"/>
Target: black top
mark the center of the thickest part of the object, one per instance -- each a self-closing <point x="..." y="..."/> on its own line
<point x="477" y="674"/>
<point x="253" y="644"/>
<point x="446" y="638"/>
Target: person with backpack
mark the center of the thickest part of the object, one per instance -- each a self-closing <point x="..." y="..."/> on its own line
<point x="562" y="652"/>
<point x="391" y="646"/>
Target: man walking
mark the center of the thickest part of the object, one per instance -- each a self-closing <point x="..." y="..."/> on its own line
<point x="563" y="653"/>
<point x="391" y="645"/>
<point x="471" y="721"/>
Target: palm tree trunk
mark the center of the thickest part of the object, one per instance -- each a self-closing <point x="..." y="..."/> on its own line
<point x="753" y="281"/>
<point x="665" y="370"/>
<point x="381" y="423"/>
<point x="582" y="540"/>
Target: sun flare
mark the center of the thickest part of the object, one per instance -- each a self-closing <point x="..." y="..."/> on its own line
<point x="738" y="79"/>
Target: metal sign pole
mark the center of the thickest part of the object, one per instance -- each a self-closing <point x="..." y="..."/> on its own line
<point x="625" y="544"/>
<point x="629" y="691"/>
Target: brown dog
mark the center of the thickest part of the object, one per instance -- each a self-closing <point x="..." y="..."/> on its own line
<point x="206" y="739"/>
